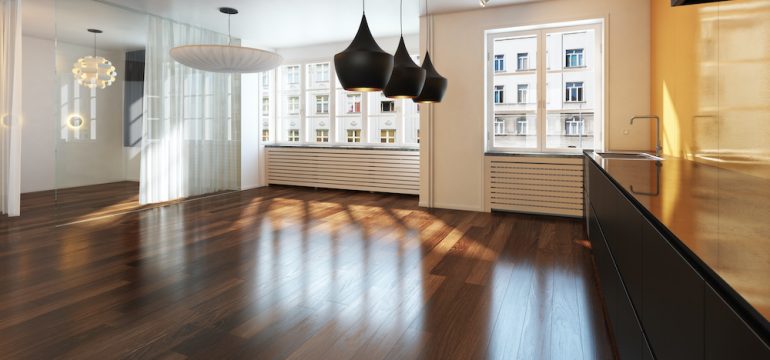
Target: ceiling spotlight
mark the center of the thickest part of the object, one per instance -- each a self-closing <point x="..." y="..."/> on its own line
<point x="483" y="3"/>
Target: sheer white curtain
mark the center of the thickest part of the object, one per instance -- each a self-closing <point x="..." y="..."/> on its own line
<point x="10" y="107"/>
<point x="191" y="135"/>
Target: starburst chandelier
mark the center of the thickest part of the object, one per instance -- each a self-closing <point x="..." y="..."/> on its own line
<point x="94" y="71"/>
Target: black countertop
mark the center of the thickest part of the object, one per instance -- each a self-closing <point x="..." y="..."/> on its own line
<point x="719" y="218"/>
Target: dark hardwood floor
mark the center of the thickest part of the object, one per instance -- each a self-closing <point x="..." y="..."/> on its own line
<point x="286" y="272"/>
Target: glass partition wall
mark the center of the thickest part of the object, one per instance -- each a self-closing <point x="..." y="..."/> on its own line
<point x="98" y="120"/>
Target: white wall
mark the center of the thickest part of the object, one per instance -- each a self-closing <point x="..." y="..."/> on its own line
<point x="452" y="174"/>
<point x="92" y="155"/>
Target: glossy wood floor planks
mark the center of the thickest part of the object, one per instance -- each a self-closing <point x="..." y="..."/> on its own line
<point x="285" y="272"/>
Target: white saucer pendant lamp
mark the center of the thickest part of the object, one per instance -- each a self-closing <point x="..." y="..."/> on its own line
<point x="226" y="58"/>
<point x="363" y="66"/>
<point x="435" y="85"/>
<point x="407" y="79"/>
<point x="94" y="71"/>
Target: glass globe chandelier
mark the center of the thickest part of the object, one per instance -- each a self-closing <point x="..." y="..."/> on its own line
<point x="94" y="71"/>
<point x="226" y="58"/>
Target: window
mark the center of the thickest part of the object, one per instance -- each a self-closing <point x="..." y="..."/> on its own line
<point x="322" y="72"/>
<point x="499" y="63"/>
<point x="523" y="89"/>
<point x="574" y="92"/>
<point x="418" y="136"/>
<point x="573" y="126"/>
<point x="322" y="135"/>
<point x="499" y="94"/>
<point x="521" y="125"/>
<point x="499" y="126"/>
<point x="522" y="61"/>
<point x="294" y="135"/>
<point x="265" y="135"/>
<point x="322" y="104"/>
<point x="388" y="136"/>
<point x="574" y="58"/>
<point x="354" y="135"/>
<point x="266" y="80"/>
<point x="294" y="105"/>
<point x="354" y="103"/>
<point x="387" y="106"/>
<point x="292" y="74"/>
<point x="265" y="106"/>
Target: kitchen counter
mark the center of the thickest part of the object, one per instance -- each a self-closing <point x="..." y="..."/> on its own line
<point x="719" y="218"/>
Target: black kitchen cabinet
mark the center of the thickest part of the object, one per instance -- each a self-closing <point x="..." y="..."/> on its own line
<point x="661" y="303"/>
<point x="727" y="336"/>
<point x="672" y="299"/>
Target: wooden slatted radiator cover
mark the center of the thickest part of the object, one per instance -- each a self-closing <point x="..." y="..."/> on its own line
<point x="377" y="170"/>
<point x="537" y="185"/>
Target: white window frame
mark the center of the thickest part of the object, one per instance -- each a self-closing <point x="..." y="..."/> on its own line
<point x="500" y="63"/>
<point x="599" y="123"/>
<point x="322" y="135"/>
<point x="499" y="94"/>
<point x="388" y="136"/>
<point x="571" y="88"/>
<point x="354" y="102"/>
<point x="578" y="55"/>
<point x="294" y="135"/>
<point x="293" y="76"/>
<point x="293" y="106"/>
<point x="322" y="104"/>
<point x="353" y="136"/>
<point x="391" y="106"/>
<point x="522" y="93"/>
<point x="522" y="62"/>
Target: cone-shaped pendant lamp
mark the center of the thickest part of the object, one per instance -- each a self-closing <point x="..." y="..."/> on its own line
<point x="363" y="66"/>
<point x="435" y="85"/>
<point x="407" y="79"/>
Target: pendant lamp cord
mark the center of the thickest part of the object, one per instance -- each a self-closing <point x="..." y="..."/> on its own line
<point x="364" y="6"/>
<point x="229" y="36"/>
<point x="94" y="44"/>
<point x="428" y="25"/>
<point x="401" y="17"/>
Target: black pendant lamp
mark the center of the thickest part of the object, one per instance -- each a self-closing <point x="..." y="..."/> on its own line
<point x="363" y="66"/>
<point x="407" y="79"/>
<point x="435" y="84"/>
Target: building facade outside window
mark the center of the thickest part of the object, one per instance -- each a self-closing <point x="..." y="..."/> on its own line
<point x="322" y="135"/>
<point x="294" y="105"/>
<point x="292" y="74"/>
<point x="574" y="58"/>
<point x="499" y="94"/>
<point x="499" y="63"/>
<point x="573" y="126"/>
<point x="265" y="106"/>
<point x="354" y="103"/>
<point x="574" y="92"/>
<point x="523" y="90"/>
<point x="522" y="61"/>
<point x="387" y="106"/>
<point x="265" y="135"/>
<point x="388" y="136"/>
<point x="521" y="125"/>
<point x="499" y="126"/>
<point x="322" y="104"/>
<point x="354" y="136"/>
<point x="294" y="135"/>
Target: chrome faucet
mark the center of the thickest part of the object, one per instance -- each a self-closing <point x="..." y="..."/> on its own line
<point x="658" y="148"/>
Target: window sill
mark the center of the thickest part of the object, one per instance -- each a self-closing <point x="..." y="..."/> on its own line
<point x="534" y="154"/>
<point x="347" y="147"/>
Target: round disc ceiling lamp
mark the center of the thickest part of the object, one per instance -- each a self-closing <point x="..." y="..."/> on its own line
<point x="407" y="79"/>
<point x="435" y="85"/>
<point x="363" y="66"/>
<point x="226" y="58"/>
<point x="94" y="71"/>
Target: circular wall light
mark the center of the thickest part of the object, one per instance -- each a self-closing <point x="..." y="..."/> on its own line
<point x="75" y="121"/>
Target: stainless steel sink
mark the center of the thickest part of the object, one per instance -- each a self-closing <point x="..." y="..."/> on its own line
<point x="629" y="156"/>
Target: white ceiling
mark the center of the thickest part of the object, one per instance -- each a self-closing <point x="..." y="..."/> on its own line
<point x="265" y="23"/>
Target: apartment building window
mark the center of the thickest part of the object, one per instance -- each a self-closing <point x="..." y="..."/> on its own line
<point x="322" y="72"/>
<point x="293" y="135"/>
<point x="418" y="136"/>
<point x="322" y="104"/>
<point x="388" y="136"/>
<point x="354" y="103"/>
<point x="266" y="80"/>
<point x="522" y="61"/>
<point x="573" y="126"/>
<point x="265" y="106"/>
<point x="354" y="135"/>
<point x="387" y="106"/>
<point x="499" y="63"/>
<point x="499" y="126"/>
<point x="293" y="105"/>
<point x="265" y="135"/>
<point x="574" y="58"/>
<point x="574" y="92"/>
<point x="322" y="135"/>
<point x="523" y="90"/>
<point x="521" y="125"/>
<point x="499" y="94"/>
<point x="292" y="74"/>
